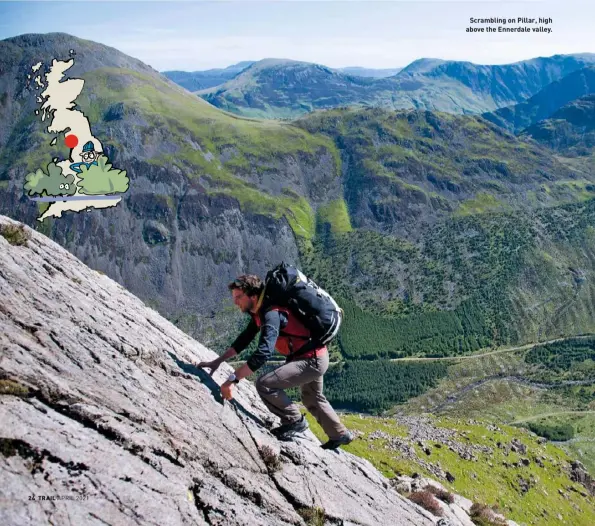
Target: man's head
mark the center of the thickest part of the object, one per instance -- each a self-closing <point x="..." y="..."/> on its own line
<point x="89" y="154"/>
<point x="245" y="290"/>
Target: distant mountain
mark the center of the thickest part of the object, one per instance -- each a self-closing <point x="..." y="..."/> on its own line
<point x="544" y="103"/>
<point x="279" y="88"/>
<point x="406" y="161"/>
<point x="286" y="88"/>
<point x="423" y="65"/>
<point x="197" y="80"/>
<point x="518" y="80"/>
<point x="367" y="72"/>
<point x="570" y="130"/>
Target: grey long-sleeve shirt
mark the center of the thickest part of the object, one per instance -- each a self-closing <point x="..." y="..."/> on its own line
<point x="272" y="323"/>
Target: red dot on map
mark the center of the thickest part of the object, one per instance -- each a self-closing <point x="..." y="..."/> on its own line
<point x="71" y="141"/>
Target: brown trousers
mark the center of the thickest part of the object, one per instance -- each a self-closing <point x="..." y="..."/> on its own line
<point x="307" y="373"/>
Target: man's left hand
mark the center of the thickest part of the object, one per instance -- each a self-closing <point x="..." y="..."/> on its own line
<point x="226" y="390"/>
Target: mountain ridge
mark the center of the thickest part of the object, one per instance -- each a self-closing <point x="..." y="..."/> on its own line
<point x="197" y="80"/>
<point x="288" y="89"/>
<point x="550" y="99"/>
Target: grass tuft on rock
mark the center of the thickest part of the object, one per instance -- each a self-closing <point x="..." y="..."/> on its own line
<point x="270" y="458"/>
<point x="15" y="234"/>
<point x="10" y="387"/>
<point x="313" y="516"/>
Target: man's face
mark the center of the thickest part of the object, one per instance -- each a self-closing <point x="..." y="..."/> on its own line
<point x="244" y="302"/>
<point x="88" y="156"/>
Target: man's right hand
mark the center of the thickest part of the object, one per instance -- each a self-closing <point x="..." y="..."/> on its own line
<point x="214" y="365"/>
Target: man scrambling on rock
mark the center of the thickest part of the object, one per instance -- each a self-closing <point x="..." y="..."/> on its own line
<point x="292" y="314"/>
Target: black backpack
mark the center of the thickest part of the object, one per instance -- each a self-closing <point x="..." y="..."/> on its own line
<point x="286" y="286"/>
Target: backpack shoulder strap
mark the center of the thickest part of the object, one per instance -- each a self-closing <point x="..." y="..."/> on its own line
<point x="260" y="300"/>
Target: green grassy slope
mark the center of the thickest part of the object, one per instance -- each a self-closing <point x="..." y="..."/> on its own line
<point x="427" y="162"/>
<point x="485" y="468"/>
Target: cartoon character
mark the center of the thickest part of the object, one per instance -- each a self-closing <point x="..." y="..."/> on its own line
<point x="89" y="156"/>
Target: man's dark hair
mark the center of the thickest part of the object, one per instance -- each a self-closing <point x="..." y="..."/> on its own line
<point x="248" y="283"/>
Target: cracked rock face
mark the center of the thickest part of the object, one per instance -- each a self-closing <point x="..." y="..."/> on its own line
<point x="106" y="421"/>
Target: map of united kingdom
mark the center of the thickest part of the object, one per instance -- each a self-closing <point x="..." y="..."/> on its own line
<point x="86" y="179"/>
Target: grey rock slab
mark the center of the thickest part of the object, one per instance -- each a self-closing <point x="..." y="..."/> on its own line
<point x="111" y="407"/>
<point x="454" y="513"/>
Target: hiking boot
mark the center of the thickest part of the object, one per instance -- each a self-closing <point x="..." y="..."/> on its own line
<point x="343" y="440"/>
<point x="293" y="427"/>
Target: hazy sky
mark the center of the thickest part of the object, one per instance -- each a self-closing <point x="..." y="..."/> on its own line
<point x="194" y="35"/>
